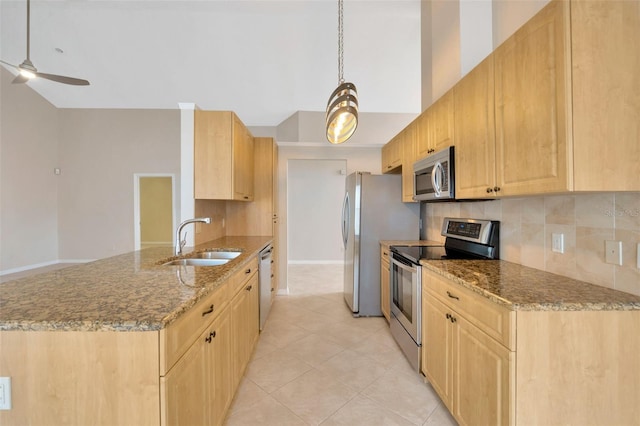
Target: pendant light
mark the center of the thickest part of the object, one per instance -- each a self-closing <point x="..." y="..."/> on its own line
<point x="342" y="108"/>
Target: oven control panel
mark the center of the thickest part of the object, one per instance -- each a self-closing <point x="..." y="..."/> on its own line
<point x="474" y="230"/>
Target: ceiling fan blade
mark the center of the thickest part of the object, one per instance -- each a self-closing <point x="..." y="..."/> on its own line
<point x="63" y="79"/>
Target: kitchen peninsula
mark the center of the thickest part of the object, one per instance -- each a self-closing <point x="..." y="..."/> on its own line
<point x="127" y="340"/>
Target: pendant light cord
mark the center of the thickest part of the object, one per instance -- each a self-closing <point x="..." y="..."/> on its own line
<point x="340" y="45"/>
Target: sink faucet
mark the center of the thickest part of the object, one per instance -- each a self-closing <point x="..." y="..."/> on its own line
<point x="179" y="241"/>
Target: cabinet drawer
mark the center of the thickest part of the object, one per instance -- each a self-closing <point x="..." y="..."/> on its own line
<point x="495" y="320"/>
<point x="238" y="280"/>
<point x="179" y="335"/>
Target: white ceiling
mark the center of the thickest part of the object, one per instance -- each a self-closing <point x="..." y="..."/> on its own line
<point x="264" y="59"/>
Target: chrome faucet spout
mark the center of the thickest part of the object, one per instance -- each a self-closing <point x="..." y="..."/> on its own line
<point x="181" y="242"/>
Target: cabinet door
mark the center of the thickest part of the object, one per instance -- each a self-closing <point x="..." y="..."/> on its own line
<point x="483" y="380"/>
<point x="187" y="388"/>
<point x="475" y="133"/>
<point x="606" y="95"/>
<point x="532" y="90"/>
<point x="441" y="127"/>
<point x="243" y="161"/>
<point x="437" y="347"/>
<point x="245" y="326"/>
<point x="212" y="161"/>
<point x="408" y="158"/>
<point x="219" y="358"/>
<point x="392" y="155"/>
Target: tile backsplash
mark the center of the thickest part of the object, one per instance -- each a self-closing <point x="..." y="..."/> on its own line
<point x="585" y="220"/>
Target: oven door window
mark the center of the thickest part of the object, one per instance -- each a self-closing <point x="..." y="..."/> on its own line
<point x="402" y="289"/>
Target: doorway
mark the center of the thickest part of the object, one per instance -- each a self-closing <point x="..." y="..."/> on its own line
<point x="154" y="209"/>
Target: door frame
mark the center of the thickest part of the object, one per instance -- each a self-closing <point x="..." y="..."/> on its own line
<point x="136" y="204"/>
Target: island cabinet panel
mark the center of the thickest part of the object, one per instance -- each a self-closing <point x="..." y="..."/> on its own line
<point x="81" y="378"/>
<point x="533" y="101"/>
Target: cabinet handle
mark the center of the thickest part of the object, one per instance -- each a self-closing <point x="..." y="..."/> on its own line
<point x="448" y="316"/>
<point x="489" y="190"/>
<point x="248" y="271"/>
<point x="273" y="289"/>
<point x="208" y="311"/>
<point x="452" y="318"/>
<point x="388" y="167"/>
<point x="452" y="296"/>
<point x="246" y="198"/>
<point x="496" y="188"/>
<point x="249" y="287"/>
<point x="210" y="337"/>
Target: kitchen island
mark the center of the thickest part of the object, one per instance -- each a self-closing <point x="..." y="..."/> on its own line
<point x="126" y="340"/>
<point x="508" y="344"/>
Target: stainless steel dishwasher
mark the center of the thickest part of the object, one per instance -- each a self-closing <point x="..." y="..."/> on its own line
<point x="264" y="277"/>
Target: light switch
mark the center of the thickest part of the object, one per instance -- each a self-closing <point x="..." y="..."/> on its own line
<point x="557" y="243"/>
<point x="613" y="252"/>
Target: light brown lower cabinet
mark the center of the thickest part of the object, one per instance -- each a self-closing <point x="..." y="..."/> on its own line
<point x="494" y="366"/>
<point x="197" y="390"/>
<point x="184" y="374"/>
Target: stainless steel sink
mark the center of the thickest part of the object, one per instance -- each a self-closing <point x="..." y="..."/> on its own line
<point x="197" y="262"/>
<point x="213" y="254"/>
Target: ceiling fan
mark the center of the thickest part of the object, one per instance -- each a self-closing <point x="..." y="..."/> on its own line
<point x="28" y="71"/>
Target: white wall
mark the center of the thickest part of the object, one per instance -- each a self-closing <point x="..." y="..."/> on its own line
<point x="28" y="186"/>
<point x="510" y="15"/>
<point x="316" y="191"/>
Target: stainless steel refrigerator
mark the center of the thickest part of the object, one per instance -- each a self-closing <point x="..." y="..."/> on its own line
<point x="372" y="211"/>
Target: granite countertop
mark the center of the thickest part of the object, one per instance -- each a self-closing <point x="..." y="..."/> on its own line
<point x="521" y="288"/>
<point x="129" y="292"/>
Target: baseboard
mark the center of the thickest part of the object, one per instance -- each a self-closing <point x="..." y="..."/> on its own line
<point x="42" y="265"/>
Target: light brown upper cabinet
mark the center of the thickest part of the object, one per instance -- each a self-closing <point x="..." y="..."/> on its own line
<point x="475" y="133"/>
<point x="606" y="95"/>
<point x="392" y="155"/>
<point x="223" y="157"/>
<point x="533" y="106"/>
<point x="409" y="156"/>
<point x="436" y="127"/>
<point x="567" y="98"/>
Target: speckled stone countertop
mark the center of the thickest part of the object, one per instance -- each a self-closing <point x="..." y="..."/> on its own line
<point x="521" y="288"/>
<point x="129" y="292"/>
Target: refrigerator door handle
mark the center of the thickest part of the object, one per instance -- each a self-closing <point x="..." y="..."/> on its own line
<point x="345" y="219"/>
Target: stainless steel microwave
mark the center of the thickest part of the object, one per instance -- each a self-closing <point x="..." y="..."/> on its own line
<point x="433" y="177"/>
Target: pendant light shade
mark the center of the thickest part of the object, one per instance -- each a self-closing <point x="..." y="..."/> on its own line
<point x="342" y="108"/>
<point x="342" y="113"/>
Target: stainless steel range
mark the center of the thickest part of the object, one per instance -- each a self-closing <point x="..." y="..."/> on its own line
<point x="465" y="239"/>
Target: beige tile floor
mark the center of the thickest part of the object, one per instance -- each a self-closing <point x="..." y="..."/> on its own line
<point x="315" y="364"/>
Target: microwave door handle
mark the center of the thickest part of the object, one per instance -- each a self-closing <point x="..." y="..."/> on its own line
<point x="436" y="178"/>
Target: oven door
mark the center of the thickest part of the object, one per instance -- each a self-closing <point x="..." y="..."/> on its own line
<point x="406" y="277"/>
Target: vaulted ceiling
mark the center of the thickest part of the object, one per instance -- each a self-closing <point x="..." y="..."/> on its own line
<point x="264" y="59"/>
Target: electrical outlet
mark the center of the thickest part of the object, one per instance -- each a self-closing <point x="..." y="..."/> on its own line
<point x="613" y="252"/>
<point x="557" y="243"/>
<point x="5" y="393"/>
